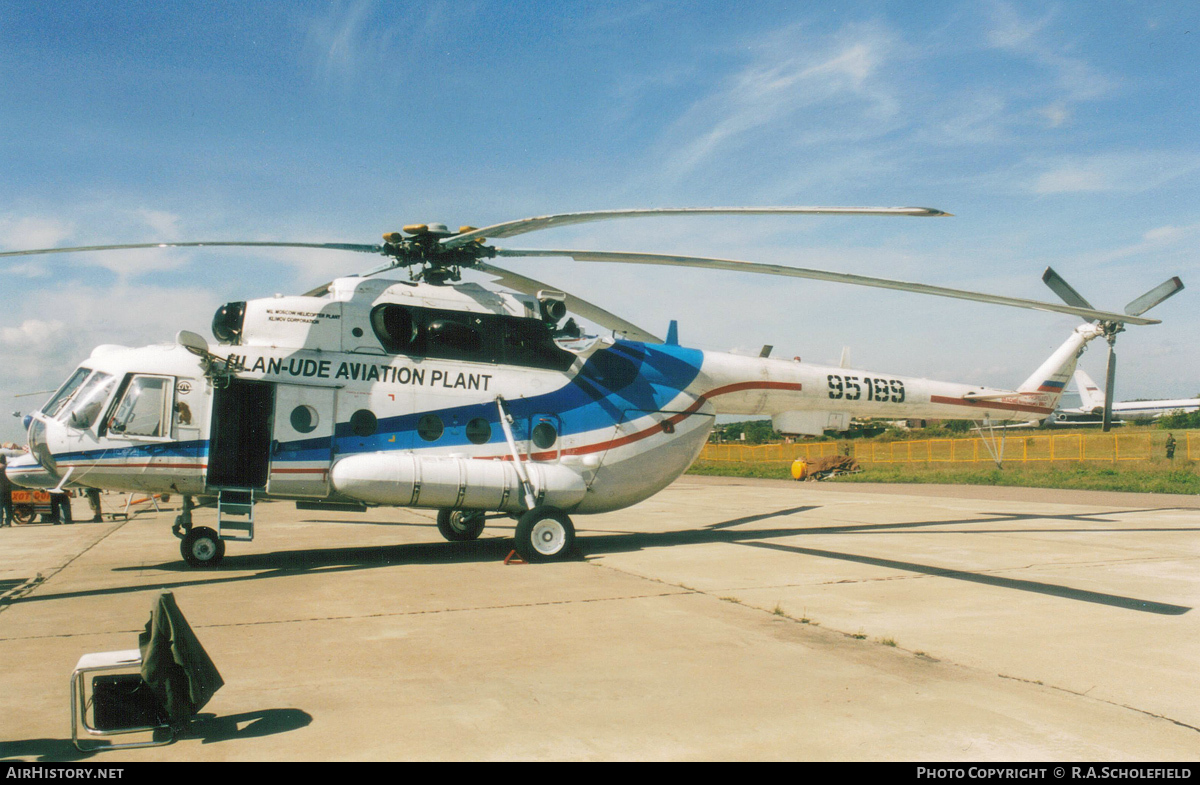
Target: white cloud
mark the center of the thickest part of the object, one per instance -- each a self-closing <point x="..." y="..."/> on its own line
<point x="1130" y="172"/>
<point x="794" y="78"/>
<point x="362" y="38"/>
<point x="18" y="232"/>
<point x="36" y="336"/>
<point x="1071" y="179"/>
<point x="1071" y="75"/>
<point x="106" y="222"/>
<point x="1056" y="115"/>
<point x="1159" y="241"/>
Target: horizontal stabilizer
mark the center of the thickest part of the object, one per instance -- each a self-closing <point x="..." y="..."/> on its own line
<point x="992" y="396"/>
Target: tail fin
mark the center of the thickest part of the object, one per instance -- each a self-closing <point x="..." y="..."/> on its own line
<point x="1050" y="379"/>
<point x="1091" y="397"/>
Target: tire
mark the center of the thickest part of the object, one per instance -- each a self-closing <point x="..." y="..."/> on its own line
<point x="461" y="525"/>
<point x="201" y="547"/>
<point x="23" y="514"/>
<point x="545" y="534"/>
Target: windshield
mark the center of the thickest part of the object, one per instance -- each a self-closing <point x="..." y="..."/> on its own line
<point x="86" y="405"/>
<point x="65" y="392"/>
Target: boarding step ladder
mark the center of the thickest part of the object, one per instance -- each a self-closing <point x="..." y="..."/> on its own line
<point x="239" y="503"/>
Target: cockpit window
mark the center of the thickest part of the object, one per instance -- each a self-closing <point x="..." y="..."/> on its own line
<point x="86" y="405"/>
<point x="56" y="404"/>
<point x="142" y="407"/>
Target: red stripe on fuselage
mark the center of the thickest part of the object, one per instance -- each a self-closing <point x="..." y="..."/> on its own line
<point x="657" y="427"/>
<point x="1012" y="407"/>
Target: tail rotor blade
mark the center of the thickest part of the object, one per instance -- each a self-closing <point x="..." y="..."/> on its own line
<point x="1108" y="387"/>
<point x="1154" y="297"/>
<point x="1064" y="290"/>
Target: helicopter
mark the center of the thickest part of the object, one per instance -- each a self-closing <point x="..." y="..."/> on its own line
<point x="472" y="399"/>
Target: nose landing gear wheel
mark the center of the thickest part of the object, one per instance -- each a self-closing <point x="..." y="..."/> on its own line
<point x="545" y="534"/>
<point x="201" y="547"/>
<point x="461" y="525"/>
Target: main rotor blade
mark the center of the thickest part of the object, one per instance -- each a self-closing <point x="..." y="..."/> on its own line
<point x="574" y="304"/>
<point x="324" y="288"/>
<point x="524" y="225"/>
<point x="822" y="275"/>
<point x="1154" y="296"/>
<point x="1064" y="289"/>
<point x="82" y="248"/>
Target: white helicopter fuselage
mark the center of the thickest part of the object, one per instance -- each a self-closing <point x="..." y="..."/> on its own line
<point x="451" y="397"/>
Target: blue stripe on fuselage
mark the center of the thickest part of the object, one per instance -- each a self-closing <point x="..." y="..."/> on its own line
<point x="626" y="377"/>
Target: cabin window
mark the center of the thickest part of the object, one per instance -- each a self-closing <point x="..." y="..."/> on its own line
<point x="364" y="423"/>
<point x="479" y="431"/>
<point x="142" y="408"/>
<point x="462" y="335"/>
<point x="544" y="435"/>
<point x="304" y="419"/>
<point x="430" y="427"/>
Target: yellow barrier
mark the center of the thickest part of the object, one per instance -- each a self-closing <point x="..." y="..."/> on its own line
<point x="1110" y="447"/>
<point x="767" y="453"/>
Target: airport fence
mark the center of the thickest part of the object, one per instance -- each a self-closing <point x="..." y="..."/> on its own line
<point x="1112" y="447"/>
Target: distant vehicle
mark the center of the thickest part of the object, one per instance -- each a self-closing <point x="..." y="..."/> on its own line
<point x="30" y="503"/>
<point x="1091" y="408"/>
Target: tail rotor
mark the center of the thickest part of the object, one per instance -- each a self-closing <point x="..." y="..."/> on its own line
<point x="1136" y="307"/>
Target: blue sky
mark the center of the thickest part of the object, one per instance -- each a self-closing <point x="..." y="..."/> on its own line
<point x="1058" y="134"/>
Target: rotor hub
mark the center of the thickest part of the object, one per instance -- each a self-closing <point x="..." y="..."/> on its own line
<point x="421" y="247"/>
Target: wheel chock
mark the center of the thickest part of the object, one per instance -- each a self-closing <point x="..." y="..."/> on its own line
<point x="514" y="558"/>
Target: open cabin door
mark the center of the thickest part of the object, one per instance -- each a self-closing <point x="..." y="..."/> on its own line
<point x="302" y="441"/>
<point x="240" y="435"/>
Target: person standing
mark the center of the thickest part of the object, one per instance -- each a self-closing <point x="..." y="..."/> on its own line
<point x="6" y="486"/>
<point x="1170" y="446"/>
<point x="93" y="497"/>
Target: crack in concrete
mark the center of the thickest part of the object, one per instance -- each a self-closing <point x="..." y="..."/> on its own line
<point x="351" y="617"/>
<point x="922" y="655"/>
<point x="1078" y="694"/>
<point x="42" y="579"/>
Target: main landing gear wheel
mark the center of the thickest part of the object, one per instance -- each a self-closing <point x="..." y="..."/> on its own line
<point x="183" y="521"/>
<point x="201" y="547"/>
<point x="545" y="534"/>
<point x="461" y="525"/>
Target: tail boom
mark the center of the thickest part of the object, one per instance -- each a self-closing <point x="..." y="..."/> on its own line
<point x="813" y="398"/>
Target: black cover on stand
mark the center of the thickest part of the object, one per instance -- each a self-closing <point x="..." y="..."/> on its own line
<point x="174" y="664"/>
<point x="124" y="701"/>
